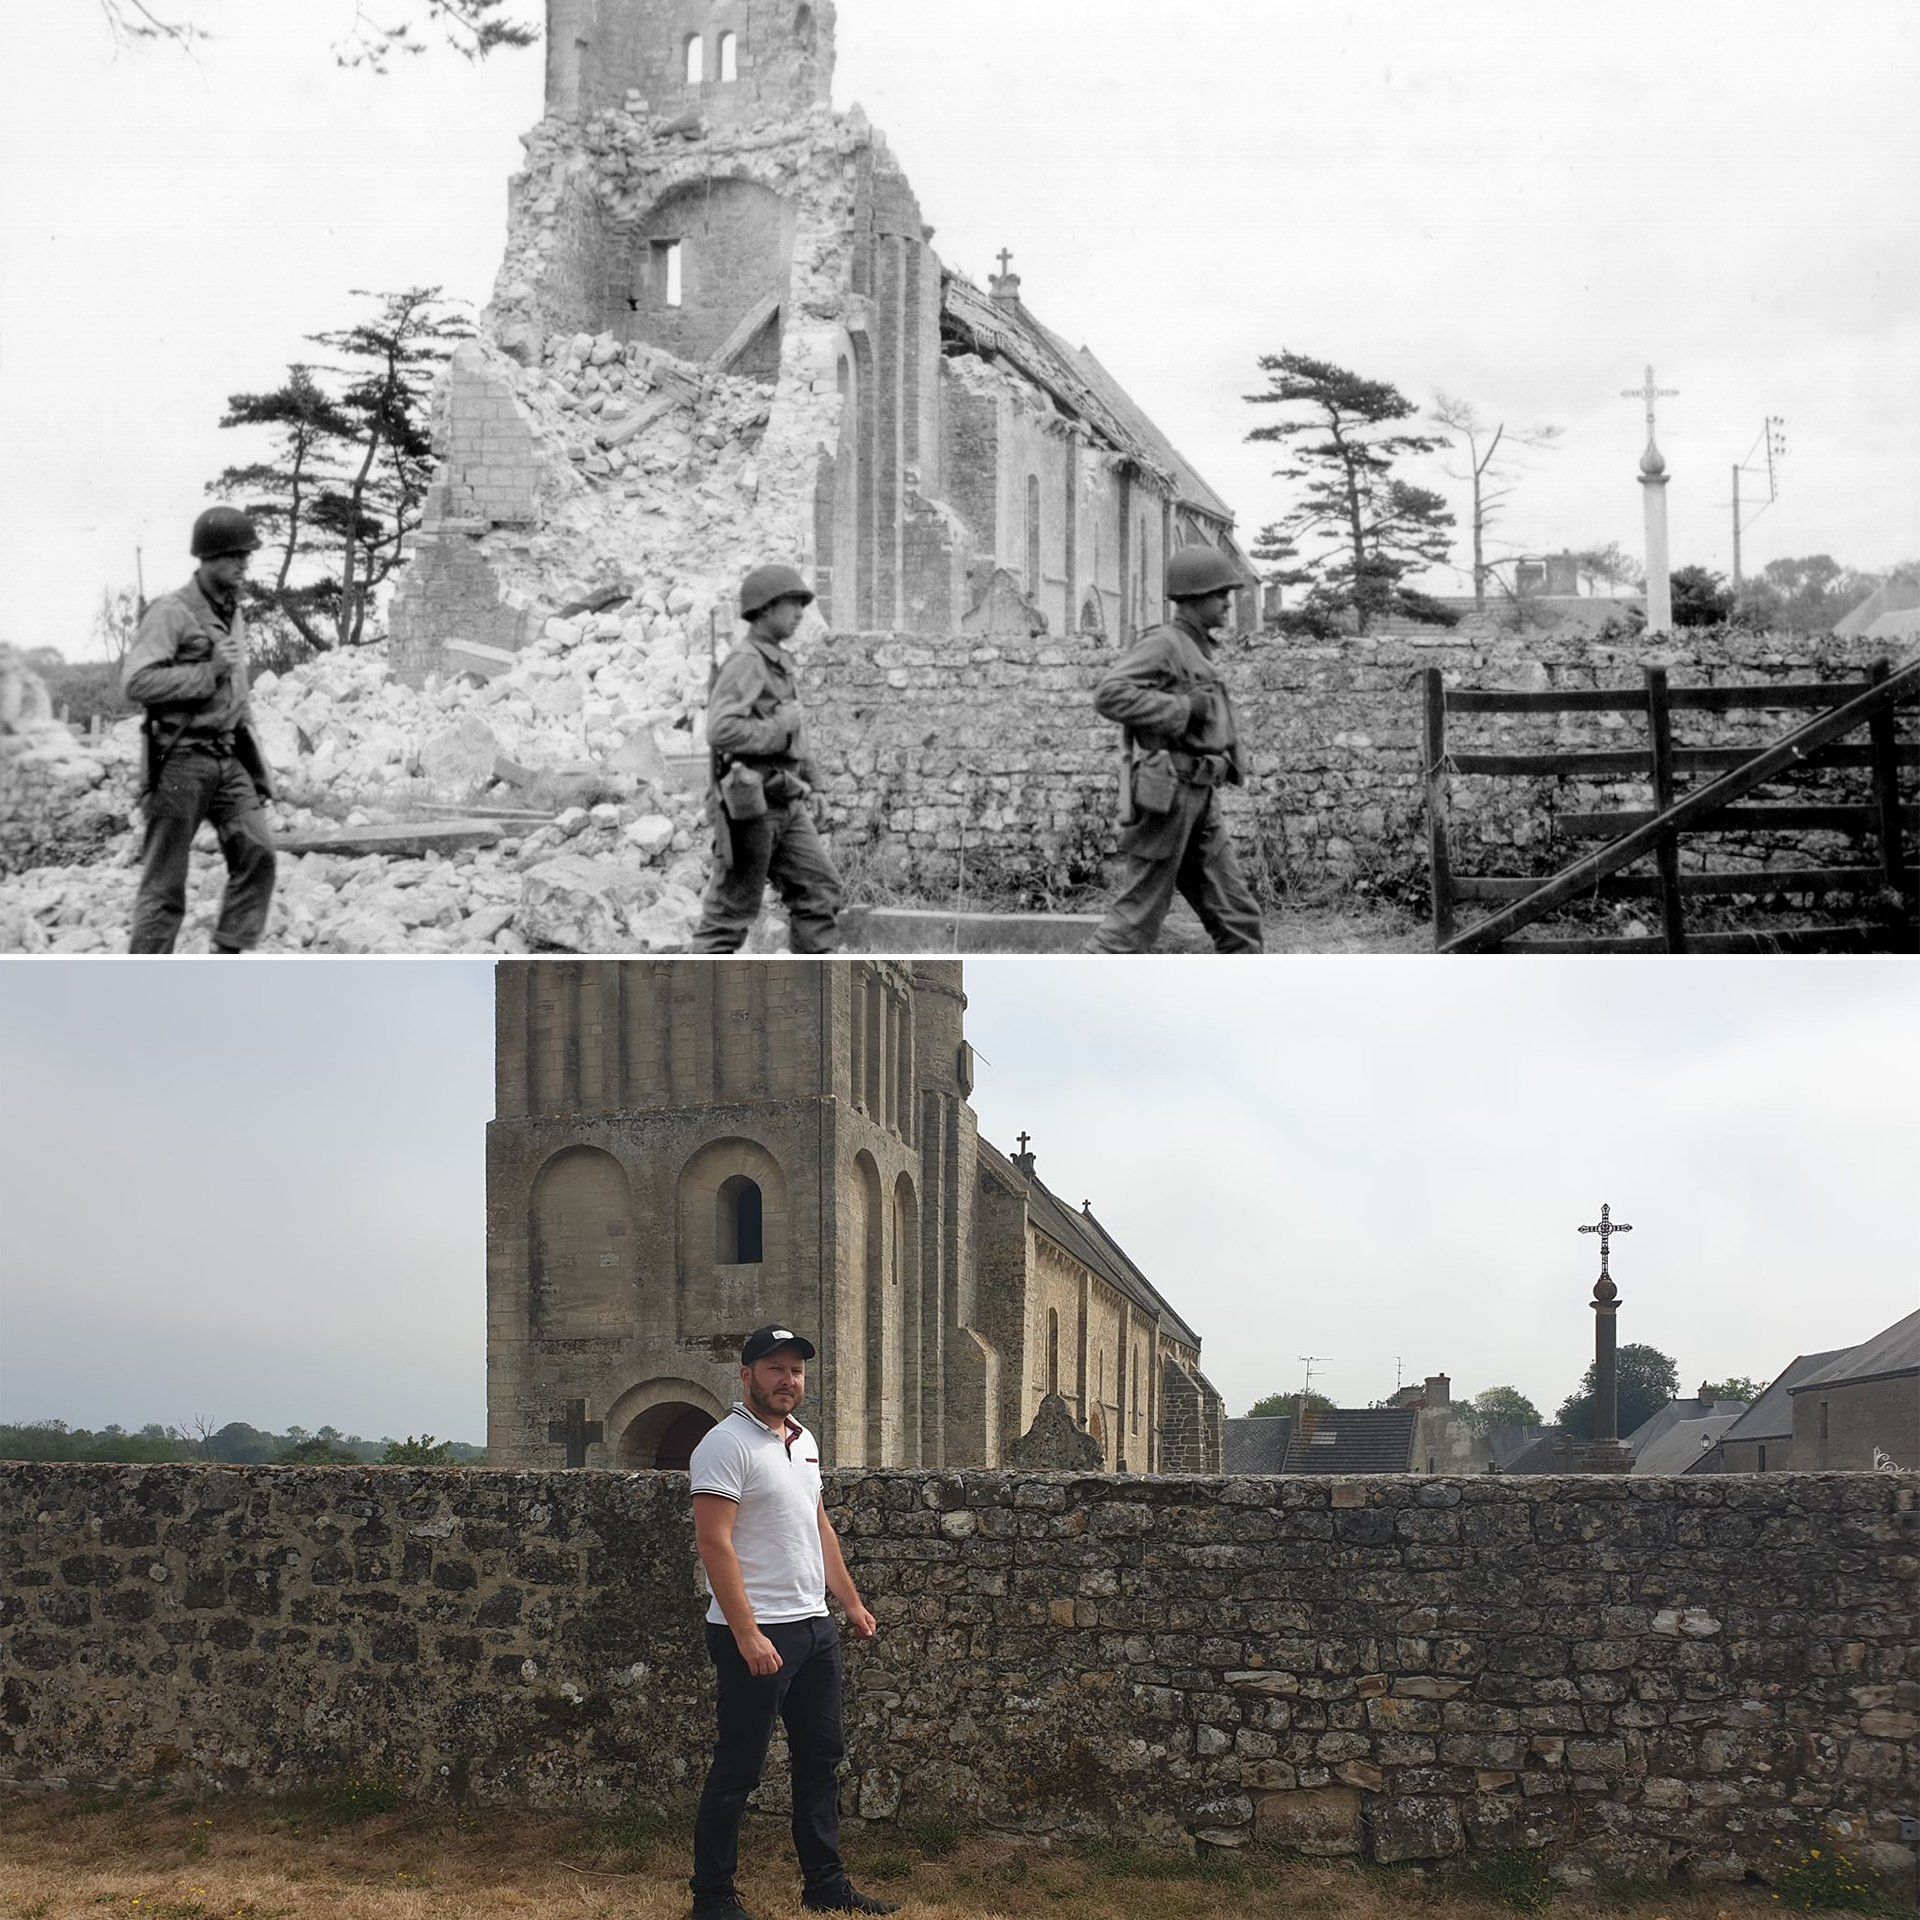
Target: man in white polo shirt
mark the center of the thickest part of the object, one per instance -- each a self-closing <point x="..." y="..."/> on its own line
<point x="771" y="1557"/>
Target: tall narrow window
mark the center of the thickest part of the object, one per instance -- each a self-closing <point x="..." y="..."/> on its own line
<point x="738" y="1227"/>
<point x="696" y="60"/>
<point x="1033" y="536"/>
<point x="1761" y="1465"/>
<point x="1053" y="1351"/>
<point x="667" y="266"/>
<point x="729" y="57"/>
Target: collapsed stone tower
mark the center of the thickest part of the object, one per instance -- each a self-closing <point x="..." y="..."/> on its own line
<point x="721" y="335"/>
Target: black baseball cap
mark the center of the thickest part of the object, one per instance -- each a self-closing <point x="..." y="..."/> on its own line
<point x="762" y="1341"/>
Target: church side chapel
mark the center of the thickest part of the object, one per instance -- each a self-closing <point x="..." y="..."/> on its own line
<point x="695" y="222"/>
<point x="685" y="1150"/>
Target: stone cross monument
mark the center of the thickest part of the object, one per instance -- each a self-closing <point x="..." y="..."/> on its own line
<point x="1605" y="1454"/>
<point x="1653" y="483"/>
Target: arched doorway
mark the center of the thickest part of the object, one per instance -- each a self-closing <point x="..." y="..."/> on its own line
<point x="662" y="1439"/>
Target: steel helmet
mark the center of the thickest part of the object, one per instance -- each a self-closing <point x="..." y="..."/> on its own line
<point x="764" y="585"/>
<point x="1196" y="571"/>
<point x="221" y="531"/>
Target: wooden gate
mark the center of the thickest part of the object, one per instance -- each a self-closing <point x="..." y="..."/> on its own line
<point x="1884" y="885"/>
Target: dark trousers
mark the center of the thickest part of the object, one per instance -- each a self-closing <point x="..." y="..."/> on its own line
<point x="805" y="1695"/>
<point x="1188" y="852"/>
<point x="783" y="847"/>
<point x="202" y="783"/>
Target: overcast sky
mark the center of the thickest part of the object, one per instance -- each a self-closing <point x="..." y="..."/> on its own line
<point x="257" y="1192"/>
<point x="1517" y="205"/>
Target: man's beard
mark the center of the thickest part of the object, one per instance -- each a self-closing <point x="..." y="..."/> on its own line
<point x="772" y="1415"/>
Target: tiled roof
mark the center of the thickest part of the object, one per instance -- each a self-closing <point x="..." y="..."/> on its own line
<point x="1663" y="1419"/>
<point x="1258" y="1445"/>
<point x="1080" y="384"/>
<point x="1082" y="1236"/>
<point x="1771" y="1416"/>
<point x="1354" y="1440"/>
<point x="1896" y="1350"/>
<point x="1896" y="597"/>
<point x="1680" y="1446"/>
<point x="1546" y="1453"/>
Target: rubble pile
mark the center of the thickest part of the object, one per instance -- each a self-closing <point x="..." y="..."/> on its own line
<point x="59" y="795"/>
<point x="580" y="718"/>
<point x="652" y="483"/>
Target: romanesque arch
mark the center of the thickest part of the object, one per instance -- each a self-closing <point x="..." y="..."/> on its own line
<point x="581" y="1241"/>
<point x="904" y="1336"/>
<point x="655" y="1426"/>
<point x="732" y="1266"/>
<point x="858" y="1367"/>
<point x="724" y="285"/>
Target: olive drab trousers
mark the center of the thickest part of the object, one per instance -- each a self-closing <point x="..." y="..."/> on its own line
<point x="784" y="847"/>
<point x="203" y="782"/>
<point x="1186" y="851"/>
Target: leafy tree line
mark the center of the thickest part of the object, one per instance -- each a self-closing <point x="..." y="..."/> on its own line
<point x="235" y="1444"/>
<point x="1646" y="1379"/>
<point x="1359" y="528"/>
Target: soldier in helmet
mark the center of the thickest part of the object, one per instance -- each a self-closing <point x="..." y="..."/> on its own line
<point x="763" y="782"/>
<point x="1182" y="746"/>
<point x="188" y="667"/>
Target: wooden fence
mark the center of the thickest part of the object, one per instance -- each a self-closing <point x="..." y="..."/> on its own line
<point x="1884" y="885"/>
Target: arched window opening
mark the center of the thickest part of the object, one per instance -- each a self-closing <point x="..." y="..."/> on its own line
<point x="1133" y="1399"/>
<point x="696" y="60"/>
<point x="729" y="57"/>
<point x="1053" y="1351"/>
<point x="668" y="286"/>
<point x="803" y="28"/>
<point x="738" y="1230"/>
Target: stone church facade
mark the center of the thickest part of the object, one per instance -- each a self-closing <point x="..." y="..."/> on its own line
<point x="684" y="1150"/>
<point x="694" y="210"/>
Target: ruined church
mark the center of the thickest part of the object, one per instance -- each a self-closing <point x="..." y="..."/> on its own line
<point x="721" y="335"/>
<point x="685" y="1150"/>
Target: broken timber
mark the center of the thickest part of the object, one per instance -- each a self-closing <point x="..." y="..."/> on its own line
<point x="401" y="840"/>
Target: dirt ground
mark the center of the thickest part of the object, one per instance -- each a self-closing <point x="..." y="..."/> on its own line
<point x="326" y="1856"/>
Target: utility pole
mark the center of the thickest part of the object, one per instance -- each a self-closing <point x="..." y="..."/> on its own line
<point x="1773" y="436"/>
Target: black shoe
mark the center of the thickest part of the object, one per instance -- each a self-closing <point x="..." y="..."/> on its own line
<point x="728" y="1908"/>
<point x="847" y="1899"/>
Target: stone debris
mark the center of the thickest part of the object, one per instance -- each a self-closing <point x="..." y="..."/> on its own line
<point x="356" y="751"/>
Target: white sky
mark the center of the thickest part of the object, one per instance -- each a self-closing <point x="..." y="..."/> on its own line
<point x="257" y="1192"/>
<point x="1519" y="205"/>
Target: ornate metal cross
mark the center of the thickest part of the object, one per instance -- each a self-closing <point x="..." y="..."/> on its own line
<point x="1649" y="393"/>
<point x="1606" y="1229"/>
<point x="576" y="1432"/>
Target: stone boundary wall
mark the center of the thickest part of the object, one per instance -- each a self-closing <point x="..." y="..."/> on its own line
<point x="1633" y="1675"/>
<point x="987" y="751"/>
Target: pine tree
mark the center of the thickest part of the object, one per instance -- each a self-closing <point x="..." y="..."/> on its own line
<point x="1357" y="530"/>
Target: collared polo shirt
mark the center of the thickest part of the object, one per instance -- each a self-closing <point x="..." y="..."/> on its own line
<point x="776" y="1535"/>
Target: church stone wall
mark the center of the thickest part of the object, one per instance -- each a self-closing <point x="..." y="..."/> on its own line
<point x="990" y="744"/>
<point x="1700" y="1676"/>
